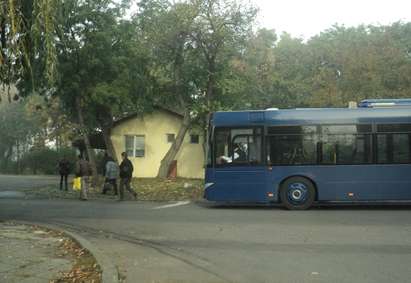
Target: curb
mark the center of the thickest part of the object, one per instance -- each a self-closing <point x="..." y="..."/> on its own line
<point x="109" y="271"/>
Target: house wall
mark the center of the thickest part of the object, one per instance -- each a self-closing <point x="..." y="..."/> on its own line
<point x="155" y="126"/>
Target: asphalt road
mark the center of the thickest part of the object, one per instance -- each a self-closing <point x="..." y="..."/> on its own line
<point x="193" y="242"/>
<point x="13" y="182"/>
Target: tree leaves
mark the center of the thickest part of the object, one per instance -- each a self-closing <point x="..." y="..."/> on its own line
<point x="27" y="42"/>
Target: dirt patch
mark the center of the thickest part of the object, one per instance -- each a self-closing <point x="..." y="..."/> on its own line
<point x="31" y="253"/>
<point x="85" y="268"/>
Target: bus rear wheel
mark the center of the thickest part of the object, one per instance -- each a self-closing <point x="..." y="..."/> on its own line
<point x="297" y="193"/>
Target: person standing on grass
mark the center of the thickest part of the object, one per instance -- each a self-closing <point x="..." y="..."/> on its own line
<point x="103" y="167"/>
<point x="64" y="170"/>
<point x="83" y="171"/>
<point x="126" y="172"/>
<point x="111" y="175"/>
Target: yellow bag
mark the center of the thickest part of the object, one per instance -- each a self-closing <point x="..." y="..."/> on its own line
<point x="77" y="184"/>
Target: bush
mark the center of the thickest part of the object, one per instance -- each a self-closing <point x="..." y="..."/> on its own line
<point x="45" y="160"/>
<point x="9" y="167"/>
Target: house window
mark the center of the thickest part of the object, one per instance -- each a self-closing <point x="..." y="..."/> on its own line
<point x="171" y="138"/>
<point x="135" y="146"/>
<point x="194" y="139"/>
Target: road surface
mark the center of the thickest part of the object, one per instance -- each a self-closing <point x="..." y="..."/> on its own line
<point x="15" y="182"/>
<point x="191" y="242"/>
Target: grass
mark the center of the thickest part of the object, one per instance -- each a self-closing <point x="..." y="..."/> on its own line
<point x="152" y="189"/>
<point x="162" y="190"/>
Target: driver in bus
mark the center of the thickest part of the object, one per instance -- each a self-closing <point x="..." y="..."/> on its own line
<point x="239" y="152"/>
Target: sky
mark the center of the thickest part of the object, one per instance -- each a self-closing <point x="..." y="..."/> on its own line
<point x="306" y="18"/>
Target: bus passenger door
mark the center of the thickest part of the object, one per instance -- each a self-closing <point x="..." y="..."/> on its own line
<point x="240" y="184"/>
<point x="240" y="173"/>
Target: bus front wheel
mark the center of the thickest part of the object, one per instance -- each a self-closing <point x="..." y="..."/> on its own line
<point x="297" y="193"/>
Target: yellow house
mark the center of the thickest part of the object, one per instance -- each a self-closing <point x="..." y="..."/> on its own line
<point x="147" y="139"/>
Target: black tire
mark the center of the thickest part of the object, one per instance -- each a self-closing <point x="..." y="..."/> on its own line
<point x="297" y="193"/>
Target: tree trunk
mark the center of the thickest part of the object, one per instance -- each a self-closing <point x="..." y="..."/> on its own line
<point x="57" y="140"/>
<point x="111" y="151"/>
<point x="175" y="147"/>
<point x="210" y="79"/>
<point x="18" y="156"/>
<point x="180" y="95"/>
<point x="89" y="150"/>
<point x="7" y="156"/>
<point x="210" y="89"/>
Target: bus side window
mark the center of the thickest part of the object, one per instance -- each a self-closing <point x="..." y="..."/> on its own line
<point x="292" y="149"/>
<point x="329" y="153"/>
<point x="247" y="149"/>
<point x="346" y="149"/>
<point x="255" y="150"/>
<point x="221" y="151"/>
<point x="394" y="148"/>
<point x="240" y="149"/>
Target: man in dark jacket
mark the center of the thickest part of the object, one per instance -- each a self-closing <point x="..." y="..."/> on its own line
<point x="64" y="170"/>
<point x="126" y="172"/>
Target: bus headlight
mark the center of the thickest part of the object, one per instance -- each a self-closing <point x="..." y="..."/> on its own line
<point x="207" y="185"/>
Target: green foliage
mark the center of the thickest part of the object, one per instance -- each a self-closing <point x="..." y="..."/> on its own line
<point x="100" y="62"/>
<point x="45" y="160"/>
<point x="28" y="126"/>
<point x="16" y="129"/>
<point x="358" y="63"/>
<point x="192" y="44"/>
<point x="221" y="33"/>
<point x="337" y="66"/>
<point x="27" y="43"/>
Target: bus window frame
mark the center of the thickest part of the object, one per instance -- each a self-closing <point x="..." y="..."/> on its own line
<point x="338" y="152"/>
<point x="210" y="147"/>
<point x="320" y="143"/>
<point x="268" y="151"/>
<point x="377" y="132"/>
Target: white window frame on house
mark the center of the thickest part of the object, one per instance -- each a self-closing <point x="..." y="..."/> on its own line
<point x="170" y="137"/>
<point x="137" y="149"/>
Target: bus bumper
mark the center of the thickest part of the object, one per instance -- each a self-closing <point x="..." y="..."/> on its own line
<point x="207" y="188"/>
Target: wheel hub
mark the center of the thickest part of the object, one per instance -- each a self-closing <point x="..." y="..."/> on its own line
<point x="297" y="193"/>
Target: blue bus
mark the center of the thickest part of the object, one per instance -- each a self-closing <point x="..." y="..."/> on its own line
<point x="378" y="103"/>
<point x="299" y="157"/>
